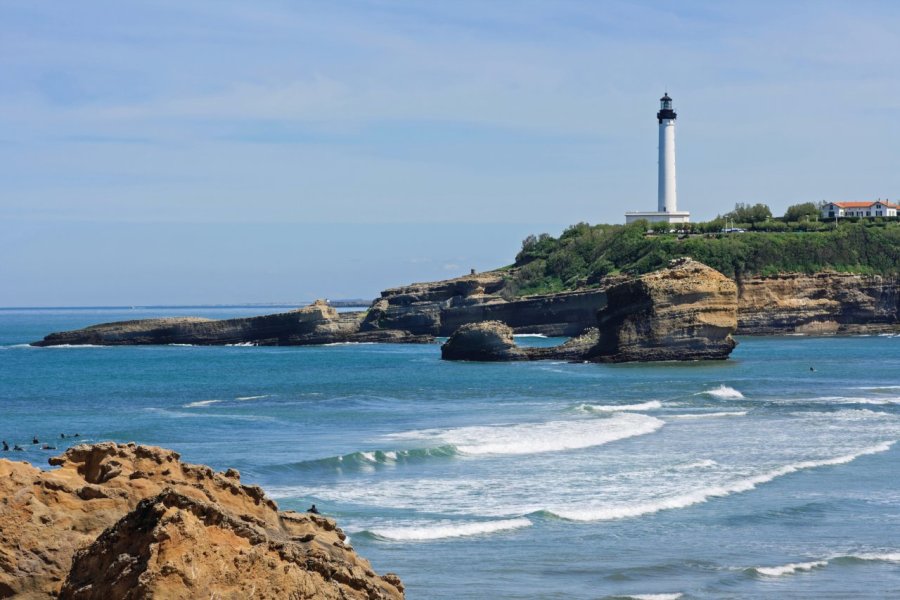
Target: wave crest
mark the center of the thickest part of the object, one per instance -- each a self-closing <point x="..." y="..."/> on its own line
<point x="447" y="529"/>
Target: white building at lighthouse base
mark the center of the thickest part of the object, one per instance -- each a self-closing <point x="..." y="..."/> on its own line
<point x="658" y="217"/>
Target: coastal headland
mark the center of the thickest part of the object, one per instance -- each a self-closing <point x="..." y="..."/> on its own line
<point x="841" y="280"/>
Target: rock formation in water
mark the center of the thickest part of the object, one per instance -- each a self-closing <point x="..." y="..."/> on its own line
<point x="485" y="341"/>
<point x="317" y="323"/>
<point x="116" y="521"/>
<point x="685" y="312"/>
<point x="442" y="307"/>
<point x="493" y="341"/>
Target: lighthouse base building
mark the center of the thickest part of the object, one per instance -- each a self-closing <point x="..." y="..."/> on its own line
<point x="667" y="209"/>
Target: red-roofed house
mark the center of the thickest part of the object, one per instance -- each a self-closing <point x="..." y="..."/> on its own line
<point x="876" y="208"/>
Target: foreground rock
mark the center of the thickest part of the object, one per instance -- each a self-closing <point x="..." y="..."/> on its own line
<point x="685" y="312"/>
<point x="494" y="341"/>
<point x="118" y="521"/>
<point x="318" y="323"/>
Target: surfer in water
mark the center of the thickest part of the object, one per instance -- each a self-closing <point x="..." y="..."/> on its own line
<point x="312" y="509"/>
<point x="5" y="446"/>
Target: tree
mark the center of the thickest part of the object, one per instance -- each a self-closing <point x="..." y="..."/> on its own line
<point x="797" y="212"/>
<point x="744" y="213"/>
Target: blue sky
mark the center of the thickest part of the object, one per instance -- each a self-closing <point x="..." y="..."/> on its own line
<point x="217" y="151"/>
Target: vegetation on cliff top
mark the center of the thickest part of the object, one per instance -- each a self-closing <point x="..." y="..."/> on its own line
<point x="584" y="253"/>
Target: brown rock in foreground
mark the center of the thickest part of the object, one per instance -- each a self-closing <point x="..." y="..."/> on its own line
<point x="685" y="312"/>
<point x="136" y="518"/>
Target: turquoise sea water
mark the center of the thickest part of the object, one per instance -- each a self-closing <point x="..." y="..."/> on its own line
<point x="751" y="478"/>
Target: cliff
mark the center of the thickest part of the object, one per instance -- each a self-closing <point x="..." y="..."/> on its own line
<point x="821" y="303"/>
<point x="317" y="323"/>
<point x="685" y="312"/>
<point x="117" y="521"/>
<point x="441" y="307"/>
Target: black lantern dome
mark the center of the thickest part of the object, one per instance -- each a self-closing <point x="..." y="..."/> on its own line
<point x="665" y="109"/>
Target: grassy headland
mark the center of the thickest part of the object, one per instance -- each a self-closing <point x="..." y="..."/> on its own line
<point x="584" y="254"/>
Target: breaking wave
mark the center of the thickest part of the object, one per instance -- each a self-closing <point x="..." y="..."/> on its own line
<point x="533" y="438"/>
<point x="651" y="405"/>
<point x="723" y="392"/>
<point x="447" y="529"/>
<point x="200" y="403"/>
<point x="709" y="415"/>
<point x="793" y="568"/>
<point x="635" y="509"/>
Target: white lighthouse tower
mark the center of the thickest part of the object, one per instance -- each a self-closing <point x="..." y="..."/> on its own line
<point x="667" y="205"/>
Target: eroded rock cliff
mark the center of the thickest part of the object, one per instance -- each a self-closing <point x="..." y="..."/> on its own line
<point x="685" y="312"/>
<point x="115" y="518"/>
<point x="819" y="303"/>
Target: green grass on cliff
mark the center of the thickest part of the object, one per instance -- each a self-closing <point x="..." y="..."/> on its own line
<point x="584" y="253"/>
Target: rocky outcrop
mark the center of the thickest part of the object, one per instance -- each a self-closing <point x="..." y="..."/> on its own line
<point x="818" y="303"/>
<point x="485" y="341"/>
<point x="317" y="323"/>
<point x="116" y="521"/>
<point x="442" y="307"/>
<point x="685" y="312"/>
<point x="493" y="341"/>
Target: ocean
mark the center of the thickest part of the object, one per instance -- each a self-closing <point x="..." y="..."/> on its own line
<point x="771" y="475"/>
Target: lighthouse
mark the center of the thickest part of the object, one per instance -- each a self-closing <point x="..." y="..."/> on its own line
<point x="667" y="204"/>
<point x="666" y="117"/>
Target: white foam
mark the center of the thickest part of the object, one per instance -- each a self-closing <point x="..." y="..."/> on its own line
<point x="878" y="387"/>
<point x="651" y="405"/>
<point x="654" y="596"/>
<point x="709" y="415"/>
<point x="722" y="392"/>
<point x="242" y="344"/>
<point x="390" y="455"/>
<point x="200" y="403"/>
<point x="532" y="438"/>
<point x="706" y="463"/>
<point x="790" y="568"/>
<point x="369" y="456"/>
<point x="635" y="509"/>
<point x="878" y="556"/>
<point x="183" y="345"/>
<point x="77" y="346"/>
<point x="529" y="335"/>
<point x="446" y="529"/>
<point x="252" y="397"/>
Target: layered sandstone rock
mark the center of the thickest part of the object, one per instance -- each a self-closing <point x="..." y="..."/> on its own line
<point x="493" y="341"/>
<point x="117" y="517"/>
<point x="485" y="341"/>
<point x="819" y="303"/>
<point x="442" y="307"/>
<point x="317" y="323"/>
<point x="685" y="312"/>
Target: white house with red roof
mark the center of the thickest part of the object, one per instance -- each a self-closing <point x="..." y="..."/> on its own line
<point x="875" y="208"/>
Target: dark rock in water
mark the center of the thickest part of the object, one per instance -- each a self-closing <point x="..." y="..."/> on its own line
<point x="685" y="312"/>
<point x="493" y="341"/>
<point x="318" y="323"/>
<point x="485" y="341"/>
